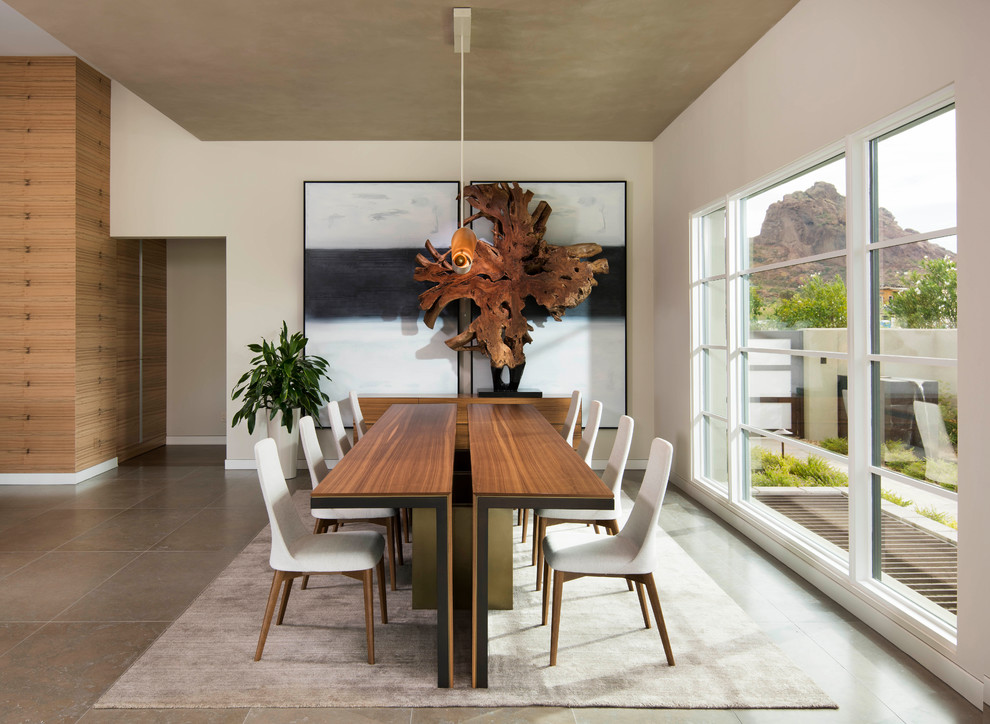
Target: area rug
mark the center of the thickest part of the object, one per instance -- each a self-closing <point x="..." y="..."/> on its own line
<point x="317" y="658"/>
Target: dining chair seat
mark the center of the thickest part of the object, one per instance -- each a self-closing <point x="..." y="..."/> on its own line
<point x="608" y="519"/>
<point x="630" y="554"/>
<point x="295" y="552"/>
<point x="317" y="466"/>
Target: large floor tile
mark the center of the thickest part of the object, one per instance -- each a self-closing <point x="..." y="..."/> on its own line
<point x="42" y="589"/>
<point x="137" y="529"/>
<point x="164" y="716"/>
<point x="216" y="529"/>
<point x="153" y="587"/>
<point x="318" y="716"/>
<point x="11" y="561"/>
<point x="55" y="527"/>
<point x="666" y="716"/>
<point x="531" y="714"/>
<point x="60" y="671"/>
<point x="12" y="634"/>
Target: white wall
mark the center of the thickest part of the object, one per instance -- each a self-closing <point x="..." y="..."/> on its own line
<point x="827" y="69"/>
<point x="197" y="350"/>
<point x="166" y="183"/>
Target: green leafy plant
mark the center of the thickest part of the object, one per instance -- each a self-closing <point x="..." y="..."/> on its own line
<point x="816" y="303"/>
<point x="932" y="513"/>
<point x="281" y="379"/>
<point x="779" y="471"/>
<point x="836" y="444"/>
<point x="895" y="498"/>
<point x="928" y="300"/>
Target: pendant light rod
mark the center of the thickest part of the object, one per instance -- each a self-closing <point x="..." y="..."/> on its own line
<point x="462" y="45"/>
<point x="464" y="241"/>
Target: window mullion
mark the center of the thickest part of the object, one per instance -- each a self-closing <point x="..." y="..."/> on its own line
<point x="733" y="297"/>
<point x="858" y="412"/>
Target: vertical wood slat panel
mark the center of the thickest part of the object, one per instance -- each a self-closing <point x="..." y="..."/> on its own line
<point x="96" y="299"/>
<point x="37" y="238"/>
<point x="141" y="350"/>
<point x="128" y="350"/>
<point x="155" y="335"/>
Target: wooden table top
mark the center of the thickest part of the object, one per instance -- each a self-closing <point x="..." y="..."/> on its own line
<point x="408" y="452"/>
<point x="516" y="452"/>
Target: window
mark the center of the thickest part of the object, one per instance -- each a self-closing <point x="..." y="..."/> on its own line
<point x="786" y="350"/>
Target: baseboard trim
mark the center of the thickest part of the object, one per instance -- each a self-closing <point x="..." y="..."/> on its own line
<point x="936" y="661"/>
<point x="58" y="478"/>
<point x="196" y="440"/>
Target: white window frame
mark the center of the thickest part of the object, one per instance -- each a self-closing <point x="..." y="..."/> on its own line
<point x="856" y="574"/>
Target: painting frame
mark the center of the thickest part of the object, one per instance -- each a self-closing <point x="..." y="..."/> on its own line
<point x="573" y="206"/>
<point x="360" y="302"/>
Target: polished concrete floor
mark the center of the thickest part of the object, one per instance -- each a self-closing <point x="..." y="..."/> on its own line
<point x="91" y="575"/>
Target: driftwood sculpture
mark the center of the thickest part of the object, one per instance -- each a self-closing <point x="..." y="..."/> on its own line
<point x="516" y="265"/>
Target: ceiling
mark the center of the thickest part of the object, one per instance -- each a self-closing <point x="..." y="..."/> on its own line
<point x="591" y="70"/>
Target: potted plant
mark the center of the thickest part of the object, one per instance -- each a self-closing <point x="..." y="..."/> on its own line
<point x="282" y="381"/>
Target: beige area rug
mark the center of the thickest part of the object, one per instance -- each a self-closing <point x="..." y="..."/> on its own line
<point x="317" y="658"/>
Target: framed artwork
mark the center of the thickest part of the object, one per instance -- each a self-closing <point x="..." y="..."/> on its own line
<point x="361" y="309"/>
<point x="587" y="349"/>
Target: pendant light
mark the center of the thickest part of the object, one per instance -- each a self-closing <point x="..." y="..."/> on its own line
<point x="464" y="240"/>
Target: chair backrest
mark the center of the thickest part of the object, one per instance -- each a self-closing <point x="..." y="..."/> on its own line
<point x="572" y="415"/>
<point x="286" y="526"/>
<point x="341" y="442"/>
<point x="641" y="527"/>
<point x="586" y="448"/>
<point x="311" y="450"/>
<point x="357" y="415"/>
<point x="616" y="466"/>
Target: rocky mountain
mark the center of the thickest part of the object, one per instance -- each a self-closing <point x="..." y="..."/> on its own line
<point x="805" y="223"/>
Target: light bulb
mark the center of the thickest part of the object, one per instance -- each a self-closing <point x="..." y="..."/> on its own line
<point x="462" y="246"/>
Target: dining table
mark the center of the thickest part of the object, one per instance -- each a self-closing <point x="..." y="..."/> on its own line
<point x="406" y="460"/>
<point x="518" y="460"/>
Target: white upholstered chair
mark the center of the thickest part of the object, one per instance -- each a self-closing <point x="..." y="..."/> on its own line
<point x="387" y="517"/>
<point x="570" y="422"/>
<point x="297" y="552"/>
<point x="608" y="519"/>
<point x="359" y="427"/>
<point x="586" y="448"/>
<point x="631" y="554"/>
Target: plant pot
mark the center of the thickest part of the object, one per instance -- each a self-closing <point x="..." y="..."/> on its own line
<point x="286" y="442"/>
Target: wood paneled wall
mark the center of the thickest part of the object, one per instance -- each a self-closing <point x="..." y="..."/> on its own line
<point x="141" y="346"/>
<point x="57" y="267"/>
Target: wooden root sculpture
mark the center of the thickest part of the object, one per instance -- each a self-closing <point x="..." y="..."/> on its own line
<point x="516" y="265"/>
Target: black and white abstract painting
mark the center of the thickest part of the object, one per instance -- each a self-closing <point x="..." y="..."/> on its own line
<point x="586" y="350"/>
<point x="360" y="299"/>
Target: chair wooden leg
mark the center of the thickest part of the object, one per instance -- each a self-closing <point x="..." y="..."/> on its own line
<point x="269" y="610"/>
<point x="558" y="592"/>
<point x="546" y="593"/>
<point x="651" y="587"/>
<point x="642" y="604"/>
<point x="285" y="599"/>
<point x="540" y="535"/>
<point x="369" y="614"/>
<point x="525" y="516"/>
<point x="390" y="539"/>
<point x="407" y="522"/>
<point x="397" y="526"/>
<point x="596" y="529"/>
<point x="381" y="589"/>
<point x="536" y="541"/>
<point x="612" y="528"/>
